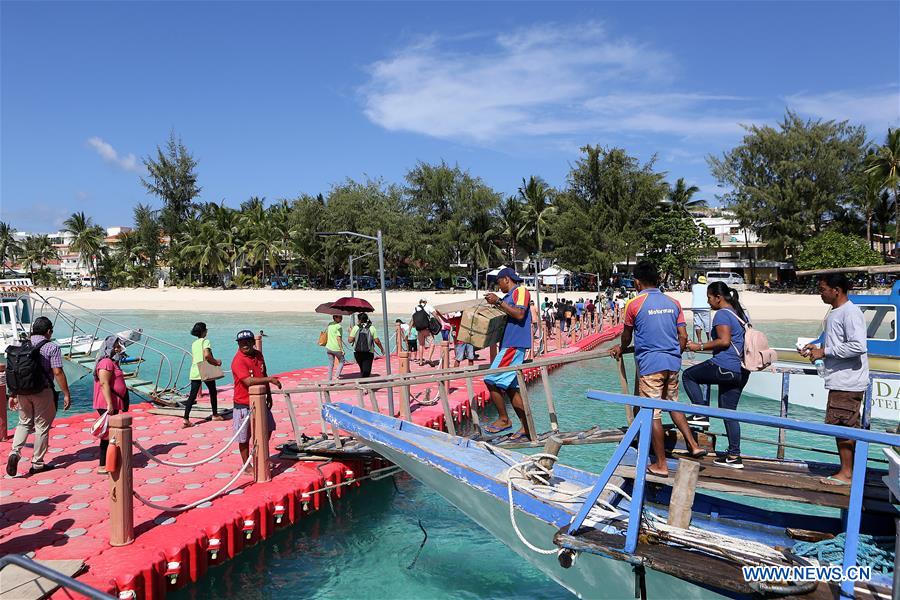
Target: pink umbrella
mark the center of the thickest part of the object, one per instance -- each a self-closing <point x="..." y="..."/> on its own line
<point x="352" y="305"/>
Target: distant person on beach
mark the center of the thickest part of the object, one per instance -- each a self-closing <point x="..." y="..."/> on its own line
<point x="37" y="407"/>
<point x="591" y="309"/>
<point x="700" y="308"/>
<point x="515" y="342"/>
<point x="364" y="339"/>
<point x="724" y="368"/>
<point x="845" y="355"/>
<point x="248" y="367"/>
<point x="110" y="390"/>
<point x="334" y="347"/>
<point x="656" y="323"/>
<point x="201" y="351"/>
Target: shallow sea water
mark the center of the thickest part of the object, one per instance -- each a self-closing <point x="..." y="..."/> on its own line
<point x="368" y="547"/>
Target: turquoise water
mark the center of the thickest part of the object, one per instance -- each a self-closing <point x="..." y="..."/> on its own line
<point x="367" y="547"/>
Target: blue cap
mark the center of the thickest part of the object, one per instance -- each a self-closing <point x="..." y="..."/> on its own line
<point x="245" y="334"/>
<point x="509" y="272"/>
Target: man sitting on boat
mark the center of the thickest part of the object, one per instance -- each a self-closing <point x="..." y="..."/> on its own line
<point x="515" y="342"/>
<point x="656" y="322"/>
<point x="844" y="352"/>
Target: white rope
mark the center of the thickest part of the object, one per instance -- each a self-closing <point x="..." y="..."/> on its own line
<point x="199" y="462"/>
<point x="512" y="506"/>
<point x="202" y="500"/>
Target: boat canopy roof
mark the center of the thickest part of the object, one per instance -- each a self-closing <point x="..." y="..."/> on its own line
<point x="871" y="270"/>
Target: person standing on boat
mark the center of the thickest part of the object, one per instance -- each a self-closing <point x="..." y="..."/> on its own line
<point x="700" y="308"/>
<point x="724" y="368"/>
<point x="515" y="342"/>
<point x="334" y="346"/>
<point x="364" y="338"/>
<point x="845" y="355"/>
<point x="248" y="367"/>
<point x="656" y="324"/>
<point x="201" y="351"/>
<point x="110" y="390"/>
<point x="38" y="409"/>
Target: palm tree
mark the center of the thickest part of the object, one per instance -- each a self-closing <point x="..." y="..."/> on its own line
<point x="884" y="164"/>
<point x="38" y="250"/>
<point x="511" y="218"/>
<point x="539" y="211"/>
<point x="209" y="250"/>
<point x="679" y="198"/>
<point x="87" y="240"/>
<point x="483" y="247"/>
<point x="9" y="246"/>
<point x="885" y="208"/>
<point x="867" y="198"/>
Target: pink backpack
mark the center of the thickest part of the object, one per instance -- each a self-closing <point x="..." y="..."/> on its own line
<point x="758" y="355"/>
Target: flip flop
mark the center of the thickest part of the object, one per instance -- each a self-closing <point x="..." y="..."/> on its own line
<point x="517" y="437"/>
<point x="663" y="475"/>
<point x="834" y="481"/>
<point x="699" y="454"/>
<point x="491" y="428"/>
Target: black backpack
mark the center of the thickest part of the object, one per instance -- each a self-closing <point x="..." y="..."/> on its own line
<point x="420" y="319"/>
<point x="364" y="342"/>
<point x="434" y="326"/>
<point x="24" y="369"/>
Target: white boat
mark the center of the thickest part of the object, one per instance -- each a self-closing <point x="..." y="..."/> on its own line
<point x="87" y="344"/>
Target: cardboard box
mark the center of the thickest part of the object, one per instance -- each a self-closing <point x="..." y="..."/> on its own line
<point x="482" y="326"/>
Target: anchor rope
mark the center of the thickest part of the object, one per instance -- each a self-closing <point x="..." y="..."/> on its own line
<point x="168" y="463"/>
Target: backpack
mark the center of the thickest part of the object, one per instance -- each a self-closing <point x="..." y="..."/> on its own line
<point x="420" y="319"/>
<point x="434" y="326"/>
<point x="758" y="355"/>
<point x="24" y="369"/>
<point x="364" y="341"/>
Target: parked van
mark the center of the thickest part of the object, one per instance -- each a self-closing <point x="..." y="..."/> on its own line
<point x="732" y="280"/>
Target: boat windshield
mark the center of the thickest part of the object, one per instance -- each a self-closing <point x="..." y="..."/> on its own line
<point x="881" y="321"/>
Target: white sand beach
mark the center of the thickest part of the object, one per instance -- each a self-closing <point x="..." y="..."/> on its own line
<point x="762" y="307"/>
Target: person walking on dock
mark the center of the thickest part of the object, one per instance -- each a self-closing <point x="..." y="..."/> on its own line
<point x="845" y="355"/>
<point x="110" y="390"/>
<point x="656" y="323"/>
<point x="201" y="352"/>
<point x="334" y="347"/>
<point x="37" y="402"/>
<point x="724" y="368"/>
<point x="515" y="342"/>
<point x="364" y="339"/>
<point x="248" y="367"/>
<point x="700" y="308"/>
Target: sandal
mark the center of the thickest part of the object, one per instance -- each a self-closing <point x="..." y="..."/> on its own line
<point x="698" y="454"/>
<point x="833" y="481"/>
<point x="518" y="437"/>
<point x="494" y="429"/>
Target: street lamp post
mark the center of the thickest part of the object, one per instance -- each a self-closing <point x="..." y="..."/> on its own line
<point x="387" y="339"/>
<point x="477" y="273"/>
<point x="352" y="258"/>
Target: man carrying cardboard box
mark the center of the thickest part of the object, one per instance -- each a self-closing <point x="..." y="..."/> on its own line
<point x="515" y="342"/>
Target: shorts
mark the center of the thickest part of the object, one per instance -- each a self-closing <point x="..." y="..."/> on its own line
<point x="238" y="415"/>
<point x="413" y="345"/>
<point x="464" y="351"/>
<point x="445" y="335"/>
<point x="507" y="357"/>
<point x="662" y="385"/>
<point x="701" y="320"/>
<point x="843" y="408"/>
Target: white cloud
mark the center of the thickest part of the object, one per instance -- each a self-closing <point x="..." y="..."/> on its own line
<point x="876" y="108"/>
<point x="128" y="162"/>
<point x="547" y="81"/>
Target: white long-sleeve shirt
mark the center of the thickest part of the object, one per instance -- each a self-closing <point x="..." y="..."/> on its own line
<point x="846" y="354"/>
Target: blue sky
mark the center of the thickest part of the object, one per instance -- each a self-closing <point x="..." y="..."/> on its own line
<point x="275" y="99"/>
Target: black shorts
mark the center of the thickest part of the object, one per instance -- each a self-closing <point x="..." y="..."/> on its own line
<point x="413" y="345"/>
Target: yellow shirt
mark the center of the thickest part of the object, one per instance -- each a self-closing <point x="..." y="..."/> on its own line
<point x="198" y="355"/>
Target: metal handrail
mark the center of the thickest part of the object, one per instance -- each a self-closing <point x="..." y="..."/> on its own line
<point x="54" y="576"/>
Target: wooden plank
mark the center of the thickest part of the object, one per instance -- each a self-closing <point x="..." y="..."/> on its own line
<point x="548" y="392"/>
<point x="473" y="404"/>
<point x="335" y="434"/>
<point x="526" y="405"/>
<point x="445" y="405"/>
<point x="681" y="503"/>
<point x="17" y="583"/>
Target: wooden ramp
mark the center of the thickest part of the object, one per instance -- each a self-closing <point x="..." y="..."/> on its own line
<point x="17" y="583"/>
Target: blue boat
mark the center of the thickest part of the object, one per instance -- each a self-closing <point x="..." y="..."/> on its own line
<point x="627" y="534"/>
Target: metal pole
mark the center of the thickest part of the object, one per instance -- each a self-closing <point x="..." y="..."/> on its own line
<point x="384" y="317"/>
<point x="537" y="286"/>
<point x="351" y="275"/>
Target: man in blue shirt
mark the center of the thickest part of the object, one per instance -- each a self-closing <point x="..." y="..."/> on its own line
<point x="516" y="340"/>
<point x="656" y="322"/>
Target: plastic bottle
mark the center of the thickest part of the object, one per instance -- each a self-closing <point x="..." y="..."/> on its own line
<point x="820" y="367"/>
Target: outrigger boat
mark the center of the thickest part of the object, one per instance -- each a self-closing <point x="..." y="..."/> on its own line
<point x="629" y="534"/>
<point x="880" y="311"/>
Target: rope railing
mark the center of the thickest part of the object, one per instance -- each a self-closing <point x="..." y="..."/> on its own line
<point x="202" y="461"/>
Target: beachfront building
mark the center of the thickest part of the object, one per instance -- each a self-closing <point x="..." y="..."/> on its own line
<point x="740" y="251"/>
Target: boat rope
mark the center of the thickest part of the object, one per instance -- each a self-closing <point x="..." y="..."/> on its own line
<point x="219" y="453"/>
<point x="869" y="552"/>
<point x="184" y="507"/>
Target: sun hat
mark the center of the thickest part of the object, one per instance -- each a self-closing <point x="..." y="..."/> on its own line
<point x="244" y="334"/>
<point x="508" y="272"/>
<point x="701" y="279"/>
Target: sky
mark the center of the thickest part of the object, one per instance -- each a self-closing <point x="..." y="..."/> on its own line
<point x="284" y="98"/>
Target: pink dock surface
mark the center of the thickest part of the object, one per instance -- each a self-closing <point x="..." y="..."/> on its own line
<point x="64" y="513"/>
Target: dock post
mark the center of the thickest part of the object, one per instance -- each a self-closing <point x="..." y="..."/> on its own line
<point x="260" y="433"/>
<point x="445" y="405"/>
<point x="398" y="333"/>
<point x="257" y="342"/>
<point x="785" y="393"/>
<point x="405" y="413"/>
<point x="121" y="490"/>
<point x="4" y="418"/>
<point x="682" y="501"/>
<point x="526" y="405"/>
<point x="473" y="404"/>
<point x="548" y="392"/>
<point x="445" y="354"/>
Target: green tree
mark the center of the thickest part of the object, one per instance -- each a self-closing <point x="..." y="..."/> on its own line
<point x="9" y="246"/>
<point x="539" y="211"/>
<point x="792" y="177"/>
<point x="884" y="165"/>
<point x="87" y="241"/>
<point x="148" y="233"/>
<point x="674" y="242"/>
<point x="833" y="249"/>
<point x="38" y="250"/>
<point x="511" y="221"/>
<point x="210" y="251"/>
<point x="680" y="197"/>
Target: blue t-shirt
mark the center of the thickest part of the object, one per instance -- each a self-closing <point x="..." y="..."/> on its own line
<point x="579" y="308"/>
<point x="655" y="318"/>
<point x="518" y="332"/>
<point x="729" y="358"/>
